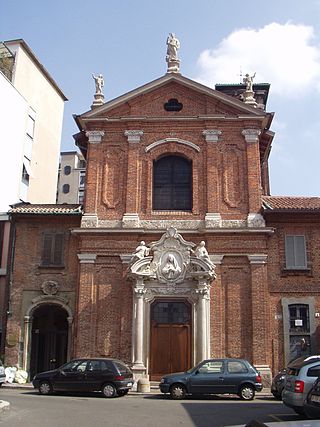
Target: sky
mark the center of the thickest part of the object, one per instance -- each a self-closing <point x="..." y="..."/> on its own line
<point x="125" y="40"/>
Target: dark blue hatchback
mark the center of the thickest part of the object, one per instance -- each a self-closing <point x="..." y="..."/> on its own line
<point x="214" y="376"/>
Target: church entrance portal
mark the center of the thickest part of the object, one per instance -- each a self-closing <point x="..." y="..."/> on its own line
<point x="170" y="338"/>
<point x="49" y="338"/>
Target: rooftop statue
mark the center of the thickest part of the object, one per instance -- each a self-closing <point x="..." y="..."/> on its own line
<point x="172" y="59"/>
<point x="248" y="81"/>
<point x="173" y="45"/>
<point x="99" y="82"/>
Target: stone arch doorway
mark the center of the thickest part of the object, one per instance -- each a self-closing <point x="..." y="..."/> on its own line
<point x="49" y="338"/>
<point x="170" y="338"/>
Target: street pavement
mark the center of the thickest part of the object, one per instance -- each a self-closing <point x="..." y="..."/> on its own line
<point x="28" y="408"/>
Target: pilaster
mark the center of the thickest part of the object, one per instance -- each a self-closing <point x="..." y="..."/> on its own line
<point x="254" y="218"/>
<point x="131" y="217"/>
<point x="87" y="306"/>
<point x="260" y="315"/>
<point x="213" y="217"/>
<point x="90" y="218"/>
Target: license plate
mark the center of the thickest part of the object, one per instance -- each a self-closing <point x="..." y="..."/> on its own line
<point x="315" y="398"/>
<point x="129" y="385"/>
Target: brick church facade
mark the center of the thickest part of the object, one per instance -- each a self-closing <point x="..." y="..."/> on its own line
<point x="169" y="165"/>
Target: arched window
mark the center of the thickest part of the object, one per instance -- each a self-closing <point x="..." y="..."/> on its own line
<point x="172" y="184"/>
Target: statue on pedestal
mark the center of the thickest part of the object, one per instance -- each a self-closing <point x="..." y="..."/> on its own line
<point x="98" y="96"/>
<point x="172" y="59"/>
<point x="99" y="82"/>
<point x="248" y="81"/>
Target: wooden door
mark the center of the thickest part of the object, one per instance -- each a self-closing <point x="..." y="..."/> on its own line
<point x="170" y="338"/>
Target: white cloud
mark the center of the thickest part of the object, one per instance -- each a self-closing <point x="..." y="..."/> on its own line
<point x="284" y="55"/>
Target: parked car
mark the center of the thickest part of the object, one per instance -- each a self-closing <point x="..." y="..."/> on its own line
<point x="214" y="376"/>
<point x="311" y="405"/>
<point x="300" y="376"/>
<point x="277" y="384"/>
<point x="110" y="376"/>
<point x="2" y="374"/>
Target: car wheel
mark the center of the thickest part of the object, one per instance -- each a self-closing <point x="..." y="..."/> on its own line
<point x="277" y="396"/>
<point x="122" y="392"/>
<point x="247" y="392"/>
<point x="177" y="391"/>
<point x="45" y="387"/>
<point x="299" y="411"/>
<point x="109" y="390"/>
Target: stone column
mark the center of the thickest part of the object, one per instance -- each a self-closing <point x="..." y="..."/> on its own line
<point x="87" y="306"/>
<point x="131" y="216"/>
<point x="260" y="315"/>
<point x="203" y="321"/>
<point x="90" y="218"/>
<point x="27" y="333"/>
<point x="138" y="366"/>
<point x="212" y="218"/>
<point x="255" y="219"/>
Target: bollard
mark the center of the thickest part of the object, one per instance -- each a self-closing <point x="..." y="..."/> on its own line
<point x="143" y="385"/>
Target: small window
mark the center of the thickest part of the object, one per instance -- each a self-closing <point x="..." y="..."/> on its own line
<point x="81" y="164"/>
<point x="67" y="170"/>
<point x="173" y="105"/>
<point x="65" y="188"/>
<point x="52" y="252"/>
<point x="25" y="176"/>
<point x="30" y="127"/>
<point x="80" y="196"/>
<point x="82" y="177"/>
<point x="296" y="257"/>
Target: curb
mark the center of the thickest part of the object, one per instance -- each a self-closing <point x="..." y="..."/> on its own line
<point x="4" y="406"/>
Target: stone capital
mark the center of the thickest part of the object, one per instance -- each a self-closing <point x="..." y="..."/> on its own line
<point x="133" y="136"/>
<point x="257" y="258"/>
<point x="251" y="135"/>
<point x="211" y="135"/>
<point x="87" y="258"/>
<point x="95" y="136"/>
<point x="216" y="259"/>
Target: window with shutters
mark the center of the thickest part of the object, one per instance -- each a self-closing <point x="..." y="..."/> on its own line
<point x="295" y="249"/>
<point x="172" y="184"/>
<point x="52" y="252"/>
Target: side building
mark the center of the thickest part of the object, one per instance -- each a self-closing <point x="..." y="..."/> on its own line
<point x="71" y="180"/>
<point x="29" y="169"/>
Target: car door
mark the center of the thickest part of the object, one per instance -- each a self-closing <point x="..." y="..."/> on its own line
<point x="71" y="377"/>
<point x="208" y="378"/>
<point x="94" y="374"/>
<point x="236" y="373"/>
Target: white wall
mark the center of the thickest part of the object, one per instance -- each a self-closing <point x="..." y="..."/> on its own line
<point x="48" y="106"/>
<point x="13" y="116"/>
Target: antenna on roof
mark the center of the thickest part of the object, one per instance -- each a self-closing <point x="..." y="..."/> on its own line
<point x="240" y="75"/>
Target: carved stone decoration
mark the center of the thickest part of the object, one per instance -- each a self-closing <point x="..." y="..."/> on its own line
<point x="172" y="262"/>
<point x="112" y="177"/>
<point x="232" y="178"/>
<point x="50" y="287"/>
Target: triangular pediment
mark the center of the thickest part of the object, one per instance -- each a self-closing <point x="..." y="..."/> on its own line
<point x="196" y="99"/>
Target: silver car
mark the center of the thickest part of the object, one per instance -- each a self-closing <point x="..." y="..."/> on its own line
<point x="2" y="374"/>
<point x="300" y="376"/>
